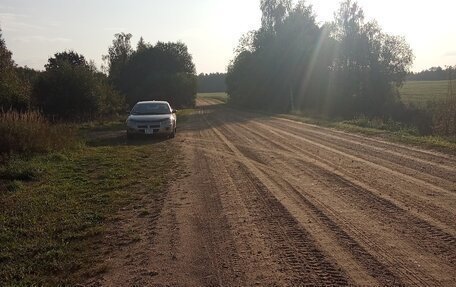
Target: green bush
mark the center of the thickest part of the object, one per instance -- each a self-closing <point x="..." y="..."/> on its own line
<point x="383" y="124"/>
<point x="444" y="117"/>
<point x="71" y="88"/>
<point x="30" y="132"/>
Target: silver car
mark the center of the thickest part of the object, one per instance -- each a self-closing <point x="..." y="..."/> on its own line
<point x="150" y="118"/>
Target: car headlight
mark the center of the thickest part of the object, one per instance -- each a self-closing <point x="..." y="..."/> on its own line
<point x="130" y="123"/>
<point x="166" y="123"/>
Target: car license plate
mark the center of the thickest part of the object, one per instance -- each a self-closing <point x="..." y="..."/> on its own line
<point x="149" y="131"/>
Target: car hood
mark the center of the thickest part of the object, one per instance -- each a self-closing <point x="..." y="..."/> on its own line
<point x="148" y="118"/>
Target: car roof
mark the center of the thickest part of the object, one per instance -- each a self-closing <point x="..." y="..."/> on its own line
<point x="153" y="102"/>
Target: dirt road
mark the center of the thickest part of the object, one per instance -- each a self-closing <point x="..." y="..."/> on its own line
<point x="273" y="202"/>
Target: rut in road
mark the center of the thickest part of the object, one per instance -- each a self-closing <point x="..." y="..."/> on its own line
<point x="429" y="241"/>
<point x="274" y="202"/>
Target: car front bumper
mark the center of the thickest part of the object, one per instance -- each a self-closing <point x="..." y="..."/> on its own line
<point x="150" y="130"/>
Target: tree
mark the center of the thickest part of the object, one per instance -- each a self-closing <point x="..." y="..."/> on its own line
<point x="142" y="45"/>
<point x="176" y="56"/>
<point x="6" y="60"/>
<point x="71" y="88"/>
<point x="274" y="12"/>
<point x="28" y="75"/>
<point x="343" y="69"/>
<point x="14" y="92"/>
<point x="63" y="58"/>
<point x="370" y="64"/>
<point x="161" y="72"/>
<point x="275" y="67"/>
<point x="211" y="83"/>
<point x="118" y="55"/>
<point x="241" y="79"/>
<point x="431" y="74"/>
<point x="303" y="56"/>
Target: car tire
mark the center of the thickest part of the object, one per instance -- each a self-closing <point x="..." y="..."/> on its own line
<point x="173" y="134"/>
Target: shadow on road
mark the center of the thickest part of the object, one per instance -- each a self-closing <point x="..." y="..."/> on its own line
<point x="217" y="114"/>
<point x="119" y="138"/>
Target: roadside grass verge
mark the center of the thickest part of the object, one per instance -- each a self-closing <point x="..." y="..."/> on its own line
<point x="55" y="207"/>
<point x="407" y="136"/>
<point x="389" y="130"/>
<point x="113" y="124"/>
<point x="184" y="115"/>
<point x="217" y="96"/>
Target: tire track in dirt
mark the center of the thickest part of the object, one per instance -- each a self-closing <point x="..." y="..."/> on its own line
<point x="424" y="227"/>
<point x="432" y="171"/>
<point x="382" y="274"/>
<point x="260" y="264"/>
<point x="372" y="165"/>
<point x="394" y="151"/>
<point x="388" y="205"/>
<point x="363" y="256"/>
<point x="442" y="179"/>
<point x="298" y="256"/>
<point x="407" y="188"/>
<point x="293" y="151"/>
<point x="427" y="157"/>
<point x="417" y="204"/>
<point x="414" y="153"/>
<point x="374" y="253"/>
<point x="213" y="224"/>
<point x="303" y="261"/>
<point x="193" y="245"/>
<point x="258" y="206"/>
<point x="441" y="176"/>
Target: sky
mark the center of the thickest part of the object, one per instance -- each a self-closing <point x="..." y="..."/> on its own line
<point x="35" y="30"/>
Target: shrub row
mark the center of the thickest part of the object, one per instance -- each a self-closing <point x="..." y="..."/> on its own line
<point x="31" y="132"/>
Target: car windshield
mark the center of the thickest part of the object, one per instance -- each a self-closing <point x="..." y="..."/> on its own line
<point x="151" y="109"/>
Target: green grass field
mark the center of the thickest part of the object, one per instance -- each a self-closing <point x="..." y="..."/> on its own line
<point x="55" y="207"/>
<point x="419" y="93"/>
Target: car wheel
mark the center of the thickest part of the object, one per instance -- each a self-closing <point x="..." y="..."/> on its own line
<point x="173" y="134"/>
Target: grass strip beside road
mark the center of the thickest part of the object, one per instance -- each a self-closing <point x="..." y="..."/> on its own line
<point x="391" y="131"/>
<point x="56" y="207"/>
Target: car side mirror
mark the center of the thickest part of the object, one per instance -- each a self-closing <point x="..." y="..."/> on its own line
<point x="174" y="111"/>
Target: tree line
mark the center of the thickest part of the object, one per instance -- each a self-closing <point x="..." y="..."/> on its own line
<point x="164" y="71"/>
<point x="14" y="90"/>
<point x="433" y="74"/>
<point x="72" y="88"/>
<point x="212" y="83"/>
<point x="345" y="68"/>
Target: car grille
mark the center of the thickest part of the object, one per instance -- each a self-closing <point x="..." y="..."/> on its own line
<point x="151" y="126"/>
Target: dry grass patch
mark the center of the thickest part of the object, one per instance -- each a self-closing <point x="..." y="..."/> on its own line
<point x="31" y="132"/>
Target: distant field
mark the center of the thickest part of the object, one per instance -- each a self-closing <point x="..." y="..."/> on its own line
<point x="219" y="96"/>
<point x="421" y="92"/>
<point x="418" y="93"/>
